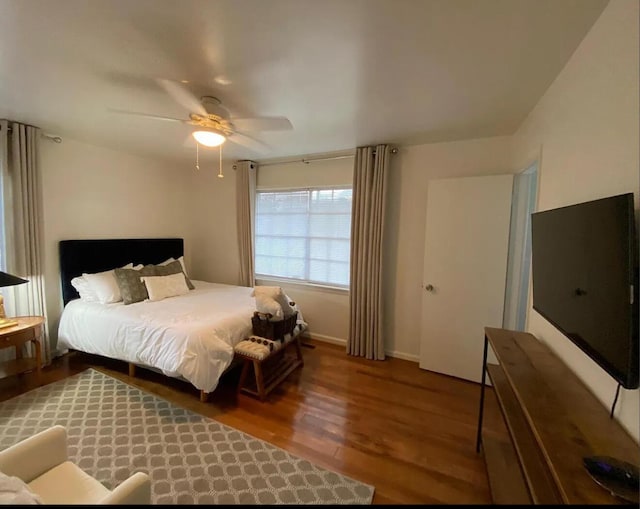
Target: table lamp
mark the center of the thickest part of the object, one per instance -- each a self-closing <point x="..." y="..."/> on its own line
<point x="8" y="280"/>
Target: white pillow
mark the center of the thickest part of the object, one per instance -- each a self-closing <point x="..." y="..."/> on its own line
<point x="266" y="304"/>
<point x="84" y="290"/>
<point x="181" y="260"/>
<point x="264" y="293"/>
<point x="161" y="287"/>
<point x="104" y="285"/>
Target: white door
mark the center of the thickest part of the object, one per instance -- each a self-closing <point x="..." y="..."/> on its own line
<point x="465" y="265"/>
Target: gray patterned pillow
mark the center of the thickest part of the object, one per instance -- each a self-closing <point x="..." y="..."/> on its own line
<point x="131" y="287"/>
<point x="171" y="268"/>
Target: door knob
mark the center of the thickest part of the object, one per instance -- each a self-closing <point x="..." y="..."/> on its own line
<point x="429" y="288"/>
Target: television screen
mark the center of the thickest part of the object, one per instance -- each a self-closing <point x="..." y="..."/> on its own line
<point x="584" y="277"/>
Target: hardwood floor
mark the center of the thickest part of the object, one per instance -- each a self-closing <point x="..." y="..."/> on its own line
<point x="408" y="432"/>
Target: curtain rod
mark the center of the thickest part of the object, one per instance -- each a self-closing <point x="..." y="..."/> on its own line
<point x="53" y="137"/>
<point x="394" y="150"/>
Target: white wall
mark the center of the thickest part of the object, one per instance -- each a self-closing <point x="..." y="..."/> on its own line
<point x="326" y="172"/>
<point x="212" y="205"/>
<point x="586" y="129"/>
<point x="411" y="170"/>
<point x="215" y="250"/>
<point x="93" y="192"/>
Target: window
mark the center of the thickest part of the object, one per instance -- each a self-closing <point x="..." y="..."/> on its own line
<point x="304" y="234"/>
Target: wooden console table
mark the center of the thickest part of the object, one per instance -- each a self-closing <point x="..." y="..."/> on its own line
<point x="554" y="421"/>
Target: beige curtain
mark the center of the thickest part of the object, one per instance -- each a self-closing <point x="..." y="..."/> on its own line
<point x="22" y="222"/>
<point x="245" y="204"/>
<point x="6" y="234"/>
<point x="367" y="226"/>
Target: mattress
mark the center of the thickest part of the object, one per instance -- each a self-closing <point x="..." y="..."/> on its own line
<point x="188" y="336"/>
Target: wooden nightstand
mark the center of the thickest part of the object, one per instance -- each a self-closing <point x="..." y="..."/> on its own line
<point x="29" y="328"/>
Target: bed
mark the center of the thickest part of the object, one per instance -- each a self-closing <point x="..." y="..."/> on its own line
<point x="190" y="336"/>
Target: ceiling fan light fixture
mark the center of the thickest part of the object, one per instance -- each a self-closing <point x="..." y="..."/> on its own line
<point x="209" y="137"/>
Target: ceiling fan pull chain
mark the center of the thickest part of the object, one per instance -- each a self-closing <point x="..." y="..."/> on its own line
<point x="220" y="175"/>
<point x="197" y="157"/>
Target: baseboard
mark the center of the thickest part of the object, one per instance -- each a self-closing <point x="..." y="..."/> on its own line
<point x="326" y="339"/>
<point x="343" y="342"/>
<point x="403" y="356"/>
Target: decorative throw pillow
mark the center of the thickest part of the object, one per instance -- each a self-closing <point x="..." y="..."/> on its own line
<point x="161" y="287"/>
<point x="181" y="260"/>
<point x="104" y="285"/>
<point x="172" y="268"/>
<point x="131" y="286"/>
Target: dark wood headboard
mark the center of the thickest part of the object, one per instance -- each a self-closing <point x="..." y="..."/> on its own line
<point x="80" y="256"/>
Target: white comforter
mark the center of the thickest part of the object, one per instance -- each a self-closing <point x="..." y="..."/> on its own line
<point x="190" y="336"/>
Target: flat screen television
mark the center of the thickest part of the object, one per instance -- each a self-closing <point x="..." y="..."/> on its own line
<point x="585" y="280"/>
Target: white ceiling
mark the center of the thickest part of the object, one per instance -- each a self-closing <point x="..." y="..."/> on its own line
<point x="345" y="72"/>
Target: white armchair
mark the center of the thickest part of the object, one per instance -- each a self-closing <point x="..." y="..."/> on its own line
<point x="41" y="461"/>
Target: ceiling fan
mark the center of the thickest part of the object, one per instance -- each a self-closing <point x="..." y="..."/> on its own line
<point x="212" y="122"/>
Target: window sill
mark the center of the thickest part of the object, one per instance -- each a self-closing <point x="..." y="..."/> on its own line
<point x="313" y="286"/>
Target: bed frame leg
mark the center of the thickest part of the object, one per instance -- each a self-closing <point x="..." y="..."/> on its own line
<point x="132" y="369"/>
<point x="204" y="396"/>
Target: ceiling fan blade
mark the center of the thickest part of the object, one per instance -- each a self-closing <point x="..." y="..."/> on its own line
<point x="182" y="96"/>
<point x="249" y="142"/>
<point x="146" y="115"/>
<point x="262" y="124"/>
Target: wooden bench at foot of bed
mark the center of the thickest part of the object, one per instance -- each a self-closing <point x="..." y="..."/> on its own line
<point x="270" y="361"/>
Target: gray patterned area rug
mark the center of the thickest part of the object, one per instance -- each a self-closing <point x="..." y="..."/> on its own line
<point x="115" y="429"/>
